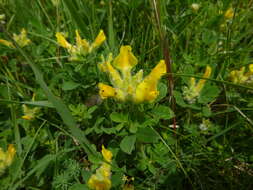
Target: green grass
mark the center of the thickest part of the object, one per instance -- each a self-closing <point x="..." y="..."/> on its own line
<point x="60" y="148"/>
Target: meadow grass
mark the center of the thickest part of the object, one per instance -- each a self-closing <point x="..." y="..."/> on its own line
<point x="197" y="134"/>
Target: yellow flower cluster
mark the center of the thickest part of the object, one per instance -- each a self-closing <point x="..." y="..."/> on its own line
<point x="30" y="113"/>
<point x="128" y="87"/>
<point x="82" y="46"/>
<point x="241" y="77"/>
<point x="193" y="90"/>
<point x="102" y="179"/>
<point x="6" y="158"/>
<point x="229" y="14"/>
<point x="21" y="39"/>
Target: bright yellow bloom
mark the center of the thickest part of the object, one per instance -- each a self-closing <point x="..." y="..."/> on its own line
<point x="82" y="46"/>
<point x="6" y="158"/>
<point x="193" y="90"/>
<point x="62" y="41"/>
<point x="125" y="60"/>
<point x="229" y="14"/>
<point x="99" y="39"/>
<point x="102" y="179"/>
<point x="147" y="89"/>
<point x="130" y="87"/>
<point x="107" y="155"/>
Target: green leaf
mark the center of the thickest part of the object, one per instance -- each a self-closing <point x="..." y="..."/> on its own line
<point x="162" y="88"/>
<point x="127" y="144"/>
<point x="69" y="85"/>
<point x="147" y="135"/>
<point x="208" y="94"/>
<point x="118" y="117"/>
<point x="162" y="112"/>
<point x="134" y="127"/>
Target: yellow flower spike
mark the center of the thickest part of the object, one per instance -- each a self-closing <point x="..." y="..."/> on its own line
<point x="147" y="89"/>
<point x="62" y="41"/>
<point x="202" y="82"/>
<point x="229" y="14"/>
<point x="99" y="39"/>
<point x="107" y="154"/>
<point x="82" y="43"/>
<point x="22" y="39"/>
<point x="6" y="43"/>
<point x="126" y="60"/>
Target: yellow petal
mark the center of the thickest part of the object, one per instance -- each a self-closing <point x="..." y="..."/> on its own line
<point x="95" y="183"/>
<point x="251" y="68"/>
<point x="62" y="41"/>
<point x="99" y="39"/>
<point x="158" y="71"/>
<point x="82" y="43"/>
<point x="27" y="117"/>
<point x="114" y="75"/>
<point x="6" y="43"/>
<point x="201" y="82"/>
<point x="106" y="91"/>
<point x="107" y="154"/>
<point x="10" y="154"/>
<point x="125" y="60"/>
<point x="229" y="14"/>
<point x="147" y="89"/>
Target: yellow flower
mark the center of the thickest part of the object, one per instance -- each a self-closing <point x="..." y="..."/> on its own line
<point x="30" y="113"/>
<point x="82" y="46"/>
<point x="126" y="60"/>
<point x="82" y="43"/>
<point x="6" y="158"/>
<point x="107" y="155"/>
<point x="21" y="38"/>
<point x="62" y="41"/>
<point x="126" y="86"/>
<point x="99" y="39"/>
<point x="101" y="180"/>
<point x="241" y="77"/>
<point x="193" y="90"/>
<point x="6" y="43"/>
<point x="229" y="14"/>
<point x="147" y="89"/>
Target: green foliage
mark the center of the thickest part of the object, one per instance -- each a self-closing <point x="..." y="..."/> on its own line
<point x="170" y="143"/>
